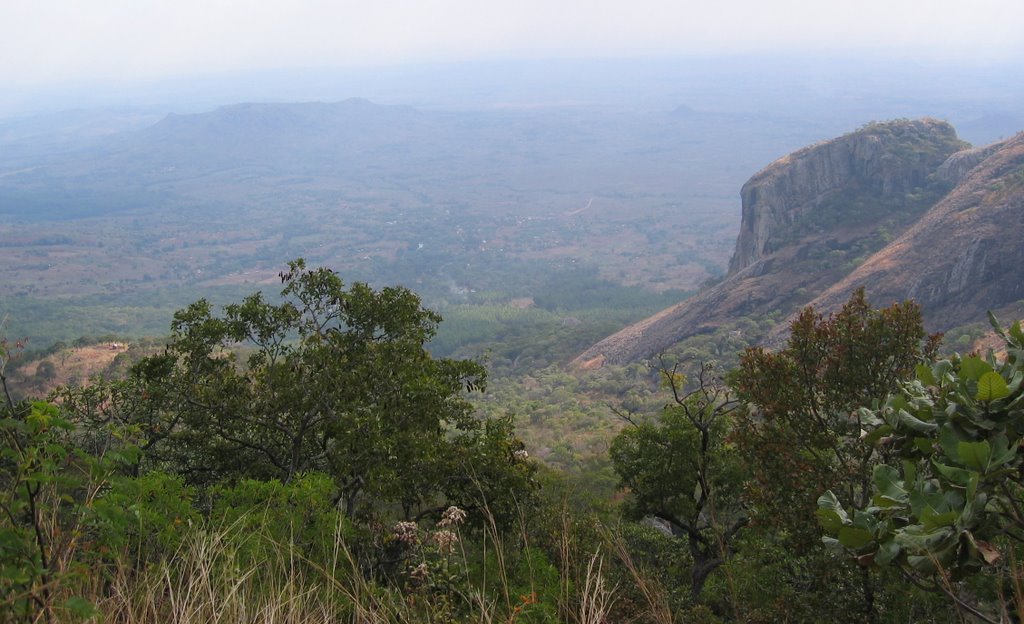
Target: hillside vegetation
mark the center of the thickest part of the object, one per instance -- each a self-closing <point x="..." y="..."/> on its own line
<point x="338" y="473"/>
<point x="901" y="199"/>
<point x="325" y="450"/>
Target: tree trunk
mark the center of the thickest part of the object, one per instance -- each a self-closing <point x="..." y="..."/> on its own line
<point x="702" y="569"/>
<point x="869" y="596"/>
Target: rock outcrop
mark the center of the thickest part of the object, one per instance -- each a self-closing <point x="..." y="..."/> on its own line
<point x="889" y="158"/>
<point x="808" y="220"/>
<point x="961" y="258"/>
<point x="957" y="166"/>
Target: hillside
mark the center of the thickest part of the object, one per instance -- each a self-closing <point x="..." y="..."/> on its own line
<point x="963" y="257"/>
<point x="449" y="203"/>
<point x="73" y="365"/>
<point x="812" y="217"/>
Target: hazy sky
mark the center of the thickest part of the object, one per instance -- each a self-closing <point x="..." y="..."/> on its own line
<point x="55" y="41"/>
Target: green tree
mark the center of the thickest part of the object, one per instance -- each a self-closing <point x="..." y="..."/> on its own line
<point x="331" y="379"/>
<point x="949" y="505"/>
<point x="48" y="488"/>
<point x="46" y="371"/>
<point x="804" y="430"/>
<point x="802" y="434"/>
<point x="679" y="469"/>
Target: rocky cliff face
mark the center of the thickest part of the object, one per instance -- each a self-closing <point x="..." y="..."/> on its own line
<point x="889" y="158"/>
<point x="811" y="218"/>
<point x="965" y="255"/>
<point x="958" y="165"/>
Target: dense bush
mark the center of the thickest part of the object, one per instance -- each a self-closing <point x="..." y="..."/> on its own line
<point x="947" y="505"/>
<point x="309" y="461"/>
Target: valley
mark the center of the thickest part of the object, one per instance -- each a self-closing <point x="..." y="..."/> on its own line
<point x="463" y="211"/>
<point x="524" y="337"/>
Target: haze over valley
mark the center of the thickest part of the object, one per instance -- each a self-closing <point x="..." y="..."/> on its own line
<point x="592" y="170"/>
<point x="550" y="313"/>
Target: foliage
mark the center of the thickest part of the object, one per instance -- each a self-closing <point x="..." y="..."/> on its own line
<point x="299" y="515"/>
<point x="769" y="581"/>
<point x="803" y="434"/>
<point x="564" y="418"/>
<point x="143" y="518"/>
<point x="207" y="521"/>
<point x="949" y="504"/>
<point x="48" y="489"/>
<point x="46" y="371"/>
<point x="558" y="317"/>
<point x="681" y="471"/>
<point x="331" y="379"/>
<point x="111" y="529"/>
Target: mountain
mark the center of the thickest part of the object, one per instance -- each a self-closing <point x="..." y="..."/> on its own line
<point x="837" y="184"/>
<point x="451" y="203"/>
<point x="544" y="160"/>
<point x="283" y="135"/>
<point x="963" y="256"/>
<point x="901" y="208"/>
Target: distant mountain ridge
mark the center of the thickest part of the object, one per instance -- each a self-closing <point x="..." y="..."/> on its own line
<point x="353" y="116"/>
<point x="280" y="133"/>
<point x="902" y="208"/>
<point x="242" y="154"/>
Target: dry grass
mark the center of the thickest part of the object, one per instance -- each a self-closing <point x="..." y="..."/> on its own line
<point x="597" y="598"/>
<point x="206" y="581"/>
<point x="657" y="609"/>
<point x="211" y="579"/>
<point x="73" y="364"/>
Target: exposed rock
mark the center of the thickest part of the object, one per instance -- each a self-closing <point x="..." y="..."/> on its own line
<point x="957" y="166"/>
<point x="963" y="257"/>
<point x="893" y="157"/>
<point x="808" y="220"/>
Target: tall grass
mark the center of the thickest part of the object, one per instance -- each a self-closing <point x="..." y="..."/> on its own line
<point x="213" y="578"/>
<point x="207" y="580"/>
<point x="654" y="596"/>
<point x="597" y="598"/>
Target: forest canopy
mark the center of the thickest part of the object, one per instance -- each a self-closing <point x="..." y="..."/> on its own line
<point x="312" y="441"/>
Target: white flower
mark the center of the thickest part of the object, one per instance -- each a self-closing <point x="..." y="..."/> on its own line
<point x="521" y="455"/>
<point x="453" y="516"/>
<point x="420" y="572"/>
<point x="445" y="540"/>
<point x="407" y="532"/>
